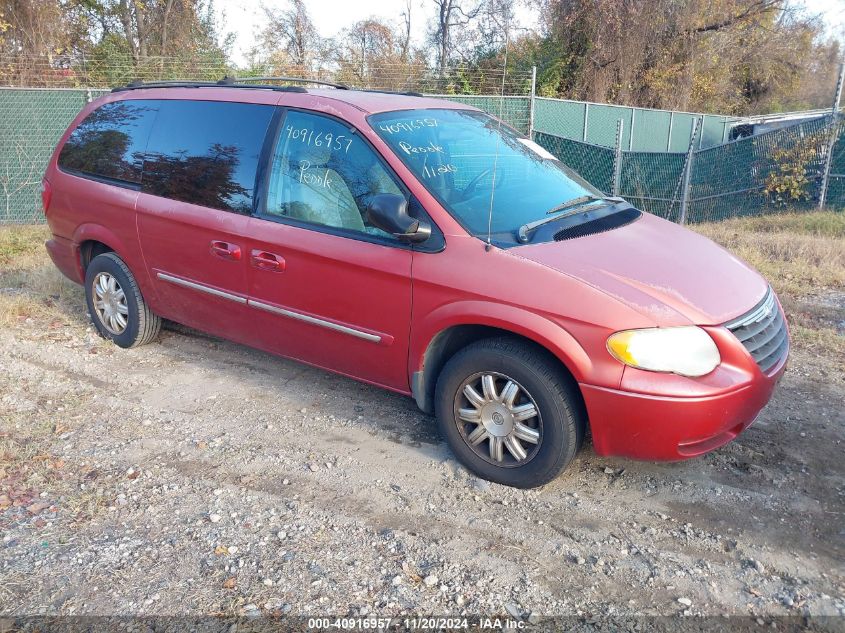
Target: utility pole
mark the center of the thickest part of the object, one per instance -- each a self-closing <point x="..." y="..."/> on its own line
<point x="617" y="158"/>
<point x="688" y="172"/>
<point x="531" y="103"/>
<point x="834" y="129"/>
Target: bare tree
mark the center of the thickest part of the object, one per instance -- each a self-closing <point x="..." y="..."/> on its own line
<point x="493" y="26"/>
<point x="376" y="54"/>
<point x="292" y="32"/>
<point x="451" y="15"/>
<point x="406" y="35"/>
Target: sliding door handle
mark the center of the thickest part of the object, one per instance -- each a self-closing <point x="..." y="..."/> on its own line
<point x="225" y="250"/>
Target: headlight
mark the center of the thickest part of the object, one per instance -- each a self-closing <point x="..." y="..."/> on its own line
<point x="688" y="350"/>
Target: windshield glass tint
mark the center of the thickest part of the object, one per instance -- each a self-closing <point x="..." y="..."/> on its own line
<point x="465" y="158"/>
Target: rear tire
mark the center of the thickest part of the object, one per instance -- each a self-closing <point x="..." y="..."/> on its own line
<point x="509" y="413"/>
<point x="115" y="303"/>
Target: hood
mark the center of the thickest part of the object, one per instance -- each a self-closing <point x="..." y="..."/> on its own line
<point x="664" y="271"/>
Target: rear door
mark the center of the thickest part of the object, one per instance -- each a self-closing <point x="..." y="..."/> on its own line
<point x="200" y="170"/>
<point x="326" y="287"/>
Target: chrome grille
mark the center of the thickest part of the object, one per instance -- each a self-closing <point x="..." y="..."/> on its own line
<point x="762" y="331"/>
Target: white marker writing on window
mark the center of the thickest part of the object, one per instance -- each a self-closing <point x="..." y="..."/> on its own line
<point x="438" y="170"/>
<point x="311" y="178"/>
<point x="425" y="149"/>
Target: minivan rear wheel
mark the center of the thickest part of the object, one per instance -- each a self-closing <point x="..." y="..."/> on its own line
<point x="115" y="303"/>
<point x="508" y="413"/>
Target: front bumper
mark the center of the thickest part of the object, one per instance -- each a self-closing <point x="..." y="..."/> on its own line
<point x="667" y="417"/>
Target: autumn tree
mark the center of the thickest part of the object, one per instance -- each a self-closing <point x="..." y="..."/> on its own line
<point x="289" y="43"/>
<point x="95" y="42"/>
<point x="373" y="53"/>
<point x="731" y="56"/>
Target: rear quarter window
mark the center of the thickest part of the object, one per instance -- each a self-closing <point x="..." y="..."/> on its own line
<point x="110" y="142"/>
<point x="206" y="153"/>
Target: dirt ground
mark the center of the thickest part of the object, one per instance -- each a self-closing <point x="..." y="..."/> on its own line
<point x="195" y="476"/>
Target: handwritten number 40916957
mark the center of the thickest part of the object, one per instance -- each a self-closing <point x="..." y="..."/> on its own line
<point x="336" y="142"/>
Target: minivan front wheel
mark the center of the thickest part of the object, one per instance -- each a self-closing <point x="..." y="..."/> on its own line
<point x="115" y="303"/>
<point x="508" y="413"/>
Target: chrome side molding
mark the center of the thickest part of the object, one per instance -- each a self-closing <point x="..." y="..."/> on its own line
<point x="329" y="325"/>
<point x="373" y="338"/>
<point x="201" y="287"/>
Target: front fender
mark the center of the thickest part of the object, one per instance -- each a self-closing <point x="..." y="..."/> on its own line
<point x="544" y="331"/>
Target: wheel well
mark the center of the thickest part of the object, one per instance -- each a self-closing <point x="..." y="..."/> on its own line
<point x="449" y="342"/>
<point x="89" y="249"/>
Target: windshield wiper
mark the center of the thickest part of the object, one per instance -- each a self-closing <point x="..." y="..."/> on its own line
<point x="571" y="207"/>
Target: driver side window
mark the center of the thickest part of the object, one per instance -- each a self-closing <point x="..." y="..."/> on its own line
<point x="324" y="173"/>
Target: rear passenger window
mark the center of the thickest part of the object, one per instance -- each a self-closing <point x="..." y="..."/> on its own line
<point x="109" y="143"/>
<point x="206" y="153"/>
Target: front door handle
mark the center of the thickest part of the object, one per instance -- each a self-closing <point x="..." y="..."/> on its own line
<point x="268" y="261"/>
<point x="226" y="250"/>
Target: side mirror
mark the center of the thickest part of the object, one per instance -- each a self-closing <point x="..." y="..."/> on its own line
<point x="389" y="212"/>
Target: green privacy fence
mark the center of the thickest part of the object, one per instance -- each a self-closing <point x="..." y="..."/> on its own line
<point x="593" y="162"/>
<point x="643" y="129"/>
<point x="725" y="179"/>
<point x="515" y="111"/>
<point x="767" y="173"/>
<point x="31" y="122"/>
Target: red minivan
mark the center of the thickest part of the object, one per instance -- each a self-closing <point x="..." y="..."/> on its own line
<point x="421" y="246"/>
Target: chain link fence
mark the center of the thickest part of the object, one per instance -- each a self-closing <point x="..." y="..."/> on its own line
<point x="776" y="171"/>
<point x="513" y="110"/>
<point x="81" y="70"/>
<point x="31" y="123"/>
<point x="593" y="162"/>
<point x="836" y="187"/>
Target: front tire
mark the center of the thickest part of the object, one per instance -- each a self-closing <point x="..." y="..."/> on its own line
<point x="115" y="303"/>
<point x="508" y="412"/>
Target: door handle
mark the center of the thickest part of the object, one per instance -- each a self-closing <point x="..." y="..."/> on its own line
<point x="268" y="261"/>
<point x="226" y="250"/>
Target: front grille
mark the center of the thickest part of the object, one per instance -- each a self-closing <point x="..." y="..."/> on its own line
<point x="762" y="331"/>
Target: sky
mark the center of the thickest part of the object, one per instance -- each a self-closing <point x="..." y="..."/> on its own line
<point x="244" y="17"/>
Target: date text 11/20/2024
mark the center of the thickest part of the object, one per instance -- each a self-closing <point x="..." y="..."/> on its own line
<point x="415" y="624"/>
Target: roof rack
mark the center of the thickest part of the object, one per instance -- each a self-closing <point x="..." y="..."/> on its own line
<point x="226" y="82"/>
<point x="233" y="82"/>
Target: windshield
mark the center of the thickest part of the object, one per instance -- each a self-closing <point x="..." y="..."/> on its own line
<point x="464" y="158"/>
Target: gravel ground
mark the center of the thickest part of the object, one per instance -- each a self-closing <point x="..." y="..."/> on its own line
<point x="193" y="476"/>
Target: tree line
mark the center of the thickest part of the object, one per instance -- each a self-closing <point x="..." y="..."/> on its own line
<point x="726" y="56"/>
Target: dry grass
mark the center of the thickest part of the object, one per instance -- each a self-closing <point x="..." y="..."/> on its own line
<point x="30" y="286"/>
<point x="803" y="257"/>
<point x="797" y="253"/>
<point x="20" y="243"/>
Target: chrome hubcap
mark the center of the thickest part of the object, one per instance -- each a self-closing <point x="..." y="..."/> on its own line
<point x="498" y="419"/>
<point x="110" y="303"/>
